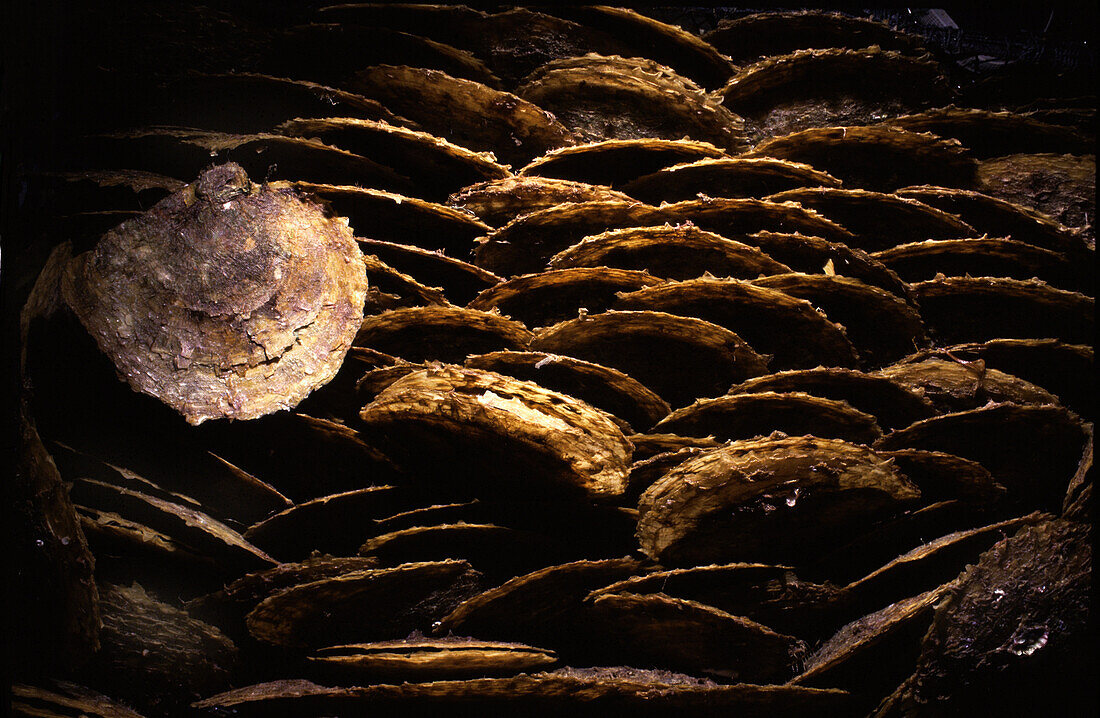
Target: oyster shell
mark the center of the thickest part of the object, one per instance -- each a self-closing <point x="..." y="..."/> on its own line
<point x="435" y="166"/>
<point x="603" y="387"/>
<point x="771" y="595"/>
<point x="833" y="86"/>
<point x="736" y="218"/>
<point x="477" y="116"/>
<point x="647" y="37"/>
<point x="1062" y="369"/>
<point x="182" y="152"/>
<point x="390" y="289"/>
<point x="527" y="242"/>
<point x="155" y="655"/>
<point x="512" y="436"/>
<point x="880" y="326"/>
<point x="957" y="386"/>
<point x="767" y="499"/>
<point x="330" y="52"/>
<point x="588" y="692"/>
<point x="226" y="322"/>
<point x="878" y="220"/>
<point x="62" y="697"/>
<point x="368" y="604"/>
<point x="876" y="158"/>
<point x="422" y="659"/>
<point x="734" y="177"/>
<point x="922" y="261"/>
<point x="1032" y="450"/>
<point x="616" y="162"/>
<point x="446" y="334"/>
<point x="790" y="330"/>
<point x="814" y="255"/>
<point x="459" y="280"/>
<point x="497" y="552"/>
<point x="893" y="404"/>
<point x="335" y="524"/>
<point x="539" y="300"/>
<point x="680" y="634"/>
<point x="993" y="644"/>
<point x="750" y="37"/>
<point x="603" y="100"/>
<point x="1062" y="187"/>
<point x="995" y="134"/>
<point x="498" y="202"/>
<point x="534" y="606"/>
<point x="254" y="102"/>
<point x="386" y="216"/>
<point x="680" y="252"/>
<point x="746" y="416"/>
<point x="969" y="309"/>
<point x="679" y="358"/>
<point x="996" y="217"/>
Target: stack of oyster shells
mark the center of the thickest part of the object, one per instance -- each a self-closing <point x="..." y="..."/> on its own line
<point x="736" y="374"/>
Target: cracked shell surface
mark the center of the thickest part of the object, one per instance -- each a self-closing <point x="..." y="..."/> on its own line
<point x="226" y="300"/>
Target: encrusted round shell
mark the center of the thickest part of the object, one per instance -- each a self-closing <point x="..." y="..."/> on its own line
<point x="225" y="300"/>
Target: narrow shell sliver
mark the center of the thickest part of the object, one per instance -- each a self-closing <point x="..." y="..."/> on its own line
<point x="432" y="658"/>
<point x="676" y="633"/>
<point x="516" y="435"/>
<point x="225" y="300"/>
<point x="371" y="604"/>
<point x="767" y="499"/>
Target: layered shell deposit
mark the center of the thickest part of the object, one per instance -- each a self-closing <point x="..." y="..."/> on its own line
<point x="394" y="359"/>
